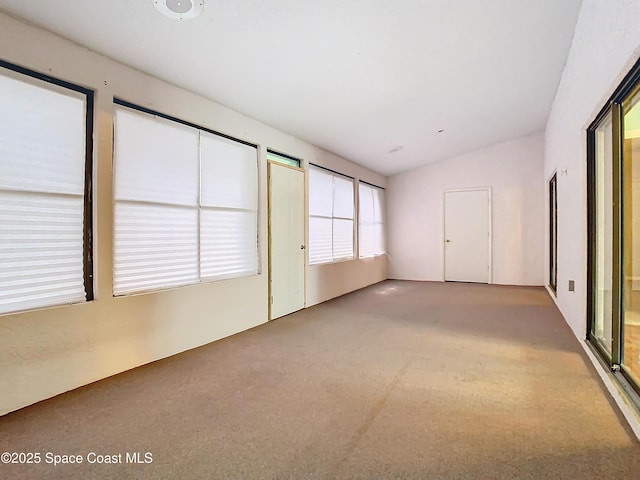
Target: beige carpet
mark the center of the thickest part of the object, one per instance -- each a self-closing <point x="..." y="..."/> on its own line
<point x="402" y="380"/>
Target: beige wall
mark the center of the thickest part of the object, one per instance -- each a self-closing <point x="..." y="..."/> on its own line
<point x="606" y="44"/>
<point x="49" y="351"/>
<point x="513" y="171"/>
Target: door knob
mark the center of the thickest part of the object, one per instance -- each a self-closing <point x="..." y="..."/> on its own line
<point x="448" y="241"/>
<point x="302" y="247"/>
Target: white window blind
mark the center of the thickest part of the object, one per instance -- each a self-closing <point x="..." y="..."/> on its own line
<point x="185" y="205"/>
<point x="371" y="221"/>
<point x="42" y="169"/>
<point x="330" y="216"/>
<point x="229" y="200"/>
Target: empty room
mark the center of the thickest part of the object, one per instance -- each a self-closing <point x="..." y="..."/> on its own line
<point x="347" y="239"/>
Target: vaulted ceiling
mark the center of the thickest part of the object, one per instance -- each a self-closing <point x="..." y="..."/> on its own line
<point x="360" y="78"/>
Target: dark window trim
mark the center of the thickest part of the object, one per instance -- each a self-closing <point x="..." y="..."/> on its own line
<point x="284" y="155"/>
<point x="332" y="171"/>
<point x="553" y="228"/>
<point x="88" y="200"/>
<point x="591" y="231"/>
<point x="155" y="113"/>
<point x="371" y="184"/>
<point x="45" y="78"/>
<point x="616" y="287"/>
<point x="87" y="228"/>
<point x="625" y="87"/>
<point x="612" y="357"/>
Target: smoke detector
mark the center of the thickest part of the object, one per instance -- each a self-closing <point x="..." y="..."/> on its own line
<point x="179" y="9"/>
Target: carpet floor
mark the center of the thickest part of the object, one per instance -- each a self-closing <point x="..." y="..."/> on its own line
<point x="401" y="380"/>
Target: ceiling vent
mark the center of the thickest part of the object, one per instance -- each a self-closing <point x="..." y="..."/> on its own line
<point x="179" y="9"/>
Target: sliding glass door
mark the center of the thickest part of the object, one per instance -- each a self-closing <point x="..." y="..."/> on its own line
<point x="614" y="231"/>
<point x="603" y="241"/>
<point x="631" y="236"/>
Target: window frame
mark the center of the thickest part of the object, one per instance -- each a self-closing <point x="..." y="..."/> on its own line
<point x="333" y="217"/>
<point x="375" y="255"/>
<point x="117" y="101"/>
<point x="45" y="81"/>
<point x="283" y="159"/>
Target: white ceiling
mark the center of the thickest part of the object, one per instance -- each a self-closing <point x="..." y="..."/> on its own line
<point x="356" y="77"/>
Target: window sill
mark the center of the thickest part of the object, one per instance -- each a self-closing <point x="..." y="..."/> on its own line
<point x="332" y="262"/>
<point x="373" y="256"/>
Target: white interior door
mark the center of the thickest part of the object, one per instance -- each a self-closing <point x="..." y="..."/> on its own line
<point x="286" y="239"/>
<point x="467" y="236"/>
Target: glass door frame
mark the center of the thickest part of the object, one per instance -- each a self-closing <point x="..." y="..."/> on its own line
<point x="553" y="233"/>
<point x="629" y="87"/>
<point x="613" y="358"/>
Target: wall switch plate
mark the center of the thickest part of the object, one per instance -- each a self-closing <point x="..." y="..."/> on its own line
<point x="572" y="286"/>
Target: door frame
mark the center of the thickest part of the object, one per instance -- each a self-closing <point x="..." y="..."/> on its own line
<point x="489" y="226"/>
<point x="304" y="223"/>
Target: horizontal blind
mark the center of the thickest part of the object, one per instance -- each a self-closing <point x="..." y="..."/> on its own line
<point x="228" y="242"/>
<point x="320" y="193"/>
<point x="365" y="221"/>
<point x="155" y="160"/>
<point x="342" y="239"/>
<point x="320" y="240"/>
<point x="371" y="221"/>
<point x="320" y="216"/>
<point x="186" y="204"/>
<point x="229" y="200"/>
<point x="378" y="221"/>
<point x="342" y="197"/>
<point x="331" y="213"/>
<point x="156" y="203"/>
<point x="155" y="246"/>
<point x="42" y="165"/>
<point x="342" y="218"/>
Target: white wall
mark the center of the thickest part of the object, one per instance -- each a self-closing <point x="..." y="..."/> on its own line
<point x="606" y="43"/>
<point x="513" y="170"/>
<point x="49" y="351"/>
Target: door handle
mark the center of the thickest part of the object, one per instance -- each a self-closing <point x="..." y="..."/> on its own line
<point x="302" y="247"/>
<point x="448" y="241"/>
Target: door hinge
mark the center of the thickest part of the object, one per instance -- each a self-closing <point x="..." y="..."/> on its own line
<point x="271" y="299"/>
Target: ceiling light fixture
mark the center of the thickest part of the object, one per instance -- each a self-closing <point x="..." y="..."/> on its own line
<point x="179" y="9"/>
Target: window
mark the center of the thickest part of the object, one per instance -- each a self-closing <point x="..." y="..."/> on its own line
<point x="45" y="203"/>
<point x="186" y="203"/>
<point x="330" y="216"/>
<point x="283" y="159"/>
<point x="553" y="232"/>
<point x="371" y="220"/>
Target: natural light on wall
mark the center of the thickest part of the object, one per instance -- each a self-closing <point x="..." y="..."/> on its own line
<point x="185" y="204"/>
<point x="331" y="213"/>
<point x="371" y="220"/>
<point x="42" y="171"/>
